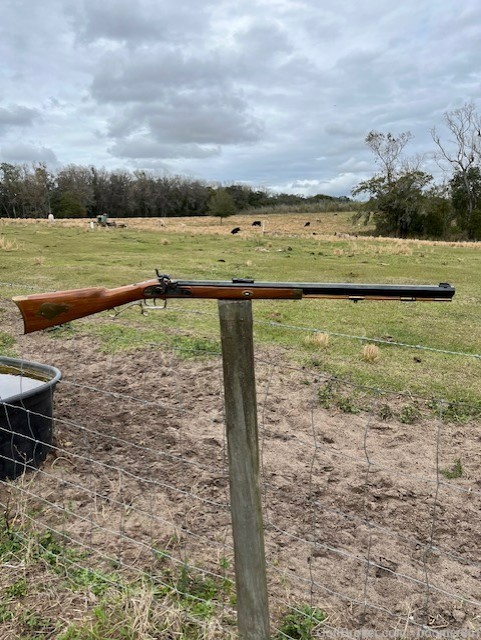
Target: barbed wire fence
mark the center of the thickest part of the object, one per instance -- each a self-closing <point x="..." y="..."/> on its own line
<point x="371" y="498"/>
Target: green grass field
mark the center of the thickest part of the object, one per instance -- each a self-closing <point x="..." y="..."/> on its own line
<point x="38" y="257"/>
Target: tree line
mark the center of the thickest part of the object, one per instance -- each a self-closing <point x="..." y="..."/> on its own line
<point x="403" y="200"/>
<point x="81" y="191"/>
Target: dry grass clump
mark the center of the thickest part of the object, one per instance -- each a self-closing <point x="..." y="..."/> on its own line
<point x="39" y="261"/>
<point x="8" y="245"/>
<point x="317" y="339"/>
<point x="371" y="353"/>
<point x="151" y="617"/>
<point x="391" y="248"/>
<point x="394" y="249"/>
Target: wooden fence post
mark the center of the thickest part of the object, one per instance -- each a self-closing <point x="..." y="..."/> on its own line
<point x="243" y="450"/>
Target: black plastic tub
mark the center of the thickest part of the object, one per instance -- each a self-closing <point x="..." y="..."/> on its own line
<point x="26" y="405"/>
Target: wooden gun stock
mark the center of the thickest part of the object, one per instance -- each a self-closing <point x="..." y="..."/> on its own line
<point x="44" y="310"/>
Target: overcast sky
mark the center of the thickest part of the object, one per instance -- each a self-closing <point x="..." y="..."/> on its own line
<point x="273" y="93"/>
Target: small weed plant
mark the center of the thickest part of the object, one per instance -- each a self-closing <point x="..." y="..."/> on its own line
<point x="410" y="414"/>
<point x="318" y="340"/>
<point x="299" y="624"/>
<point x="329" y="397"/>
<point x="456" y="471"/>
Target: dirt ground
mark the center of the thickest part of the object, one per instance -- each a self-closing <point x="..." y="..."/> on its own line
<point x="360" y="519"/>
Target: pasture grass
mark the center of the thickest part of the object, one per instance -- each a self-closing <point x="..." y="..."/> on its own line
<point x="65" y="256"/>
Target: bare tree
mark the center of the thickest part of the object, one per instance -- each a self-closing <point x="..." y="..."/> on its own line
<point x="37" y="187"/>
<point x="462" y="151"/>
<point x="388" y="149"/>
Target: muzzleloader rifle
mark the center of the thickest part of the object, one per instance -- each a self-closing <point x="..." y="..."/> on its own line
<point x="44" y="310"/>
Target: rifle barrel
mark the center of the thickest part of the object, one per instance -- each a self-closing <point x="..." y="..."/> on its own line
<point x="436" y="293"/>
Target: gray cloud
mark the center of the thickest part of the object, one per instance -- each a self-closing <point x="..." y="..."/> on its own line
<point x="17" y="116"/>
<point x="136" y="23"/>
<point x="141" y="147"/>
<point x="149" y="75"/>
<point x="21" y="152"/>
<point x="204" y="117"/>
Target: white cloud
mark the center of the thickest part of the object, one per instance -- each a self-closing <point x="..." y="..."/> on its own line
<point x="341" y="184"/>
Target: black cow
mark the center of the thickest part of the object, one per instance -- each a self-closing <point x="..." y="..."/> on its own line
<point x="256" y="223"/>
<point x="236" y="230"/>
<point x="308" y="224"/>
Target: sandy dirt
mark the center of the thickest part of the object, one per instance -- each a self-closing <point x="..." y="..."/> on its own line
<point x="359" y="518"/>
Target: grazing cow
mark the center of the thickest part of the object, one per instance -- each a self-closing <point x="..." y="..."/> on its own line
<point x="236" y="230"/>
<point x="308" y="224"/>
<point x="256" y="223"/>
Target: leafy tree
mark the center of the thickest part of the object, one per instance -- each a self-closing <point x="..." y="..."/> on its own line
<point x="397" y="205"/>
<point x="398" y="197"/>
<point x="438" y="212"/>
<point x="100" y="188"/>
<point x="66" y="204"/>
<point x="466" y="201"/>
<point x="143" y="195"/>
<point x="194" y="198"/>
<point x="246" y="198"/>
<point x="119" y="189"/>
<point x="10" y="189"/>
<point x="77" y="181"/>
<point x="221" y="204"/>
